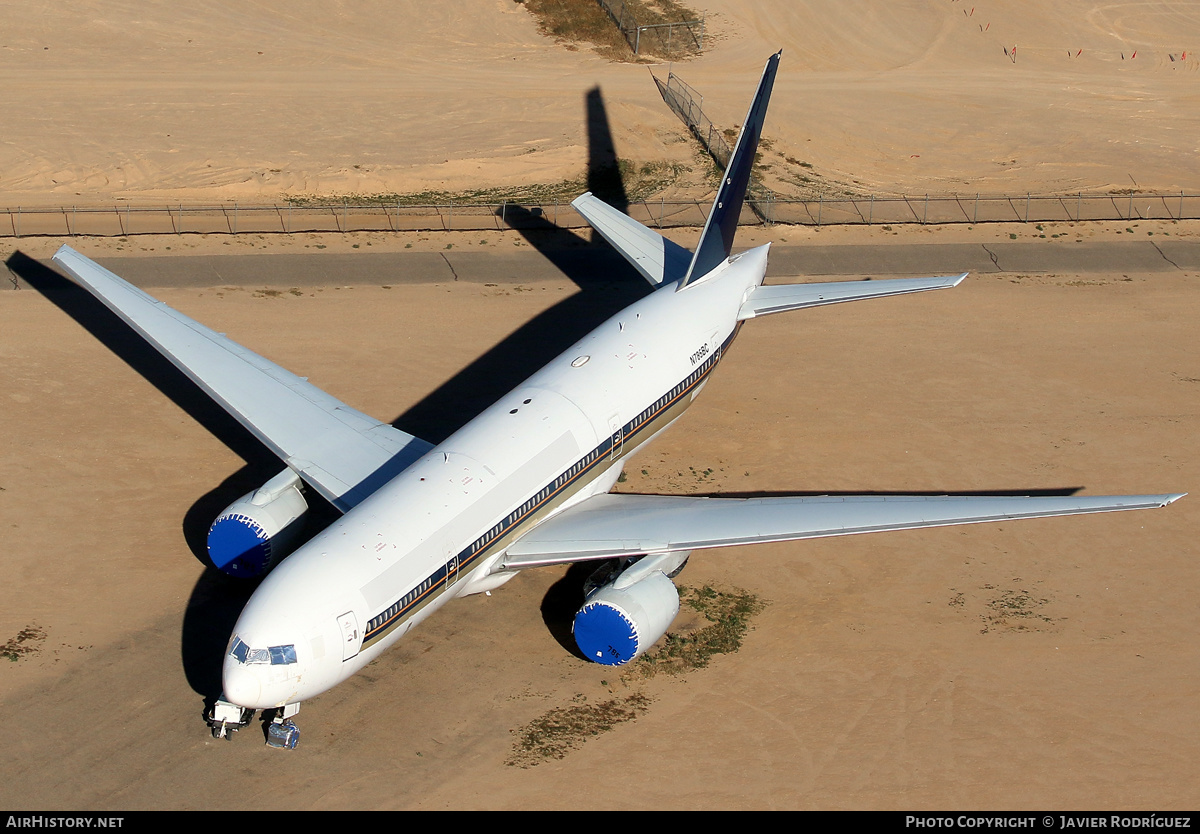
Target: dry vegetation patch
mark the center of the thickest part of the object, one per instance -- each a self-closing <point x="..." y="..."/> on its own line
<point x="563" y="729"/>
<point x="24" y="644"/>
<point x="574" y="22"/>
<point x="728" y="614"/>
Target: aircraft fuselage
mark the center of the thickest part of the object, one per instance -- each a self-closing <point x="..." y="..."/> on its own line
<point x="440" y="528"/>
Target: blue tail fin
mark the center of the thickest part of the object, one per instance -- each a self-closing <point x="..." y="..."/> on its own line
<point x="717" y="240"/>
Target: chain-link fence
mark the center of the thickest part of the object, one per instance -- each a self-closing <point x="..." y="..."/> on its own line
<point x="980" y="208"/>
<point x="686" y="104"/>
<point x="234" y="218"/>
<point x="684" y="37"/>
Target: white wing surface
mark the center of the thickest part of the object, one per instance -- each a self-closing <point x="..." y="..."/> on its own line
<point x="779" y="298"/>
<point x="607" y="526"/>
<point x="658" y="259"/>
<point x="342" y="453"/>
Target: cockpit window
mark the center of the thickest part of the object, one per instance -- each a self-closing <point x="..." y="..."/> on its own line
<point x="282" y="655"/>
<point x="275" y="655"/>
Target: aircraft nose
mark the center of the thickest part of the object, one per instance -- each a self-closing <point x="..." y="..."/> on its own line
<point x="240" y="684"/>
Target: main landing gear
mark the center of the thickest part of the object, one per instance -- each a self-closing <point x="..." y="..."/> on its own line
<point x="225" y="719"/>
<point x="281" y="732"/>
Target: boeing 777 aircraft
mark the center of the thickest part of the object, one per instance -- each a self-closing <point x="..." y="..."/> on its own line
<point x="523" y="485"/>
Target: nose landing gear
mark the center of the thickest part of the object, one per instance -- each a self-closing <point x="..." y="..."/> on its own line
<point x="225" y="719"/>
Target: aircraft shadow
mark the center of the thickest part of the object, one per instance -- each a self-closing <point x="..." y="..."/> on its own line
<point x="607" y="284"/>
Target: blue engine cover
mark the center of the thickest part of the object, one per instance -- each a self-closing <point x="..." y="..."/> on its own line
<point x="622" y="619"/>
<point x="257" y="530"/>
<point x="605" y="635"/>
<point x="239" y="546"/>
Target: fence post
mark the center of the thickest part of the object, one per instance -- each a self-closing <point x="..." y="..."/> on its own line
<point x="1078" y="206"/>
<point x="975" y="215"/>
<point x="925" y="214"/>
<point x="235" y="216"/>
<point x="289" y="220"/>
<point x="820" y="206"/>
<point x="18" y="221"/>
<point x="450" y="219"/>
<point x="179" y="229"/>
<point x="1180" y="204"/>
<point x="871" y="211"/>
<point x="127" y="218"/>
<point x="74" y="224"/>
<point x="1129" y="213"/>
<point x="1026" y="206"/>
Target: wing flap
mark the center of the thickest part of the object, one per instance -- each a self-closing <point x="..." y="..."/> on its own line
<point x="658" y="260"/>
<point x="779" y="298"/>
<point x="608" y="526"/>
<point x="341" y="452"/>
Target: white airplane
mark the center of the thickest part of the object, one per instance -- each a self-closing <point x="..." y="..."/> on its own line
<point x="525" y="484"/>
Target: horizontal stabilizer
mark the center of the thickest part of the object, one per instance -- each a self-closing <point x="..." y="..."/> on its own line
<point x="342" y="453"/>
<point x="612" y="525"/>
<point x="658" y="260"/>
<point x="778" y="298"/>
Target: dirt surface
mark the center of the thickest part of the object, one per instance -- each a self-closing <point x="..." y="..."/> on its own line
<point x="1027" y="665"/>
<point x="115" y="101"/>
<point x="1032" y="665"/>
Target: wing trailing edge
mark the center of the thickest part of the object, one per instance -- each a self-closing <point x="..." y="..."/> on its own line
<point x="609" y="526"/>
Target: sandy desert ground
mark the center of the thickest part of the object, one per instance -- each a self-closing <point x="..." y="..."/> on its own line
<point x="110" y="100"/>
<point x="1043" y="664"/>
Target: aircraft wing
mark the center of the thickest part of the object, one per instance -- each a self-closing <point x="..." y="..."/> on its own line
<point x="656" y="258"/>
<point x="612" y="525"/>
<point x="778" y="298"/>
<point x="342" y="453"/>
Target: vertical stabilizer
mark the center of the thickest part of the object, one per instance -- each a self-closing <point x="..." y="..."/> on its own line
<point x="717" y="240"/>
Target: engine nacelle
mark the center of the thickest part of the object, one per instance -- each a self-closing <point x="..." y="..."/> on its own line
<point x="256" y="531"/>
<point x="623" y="618"/>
